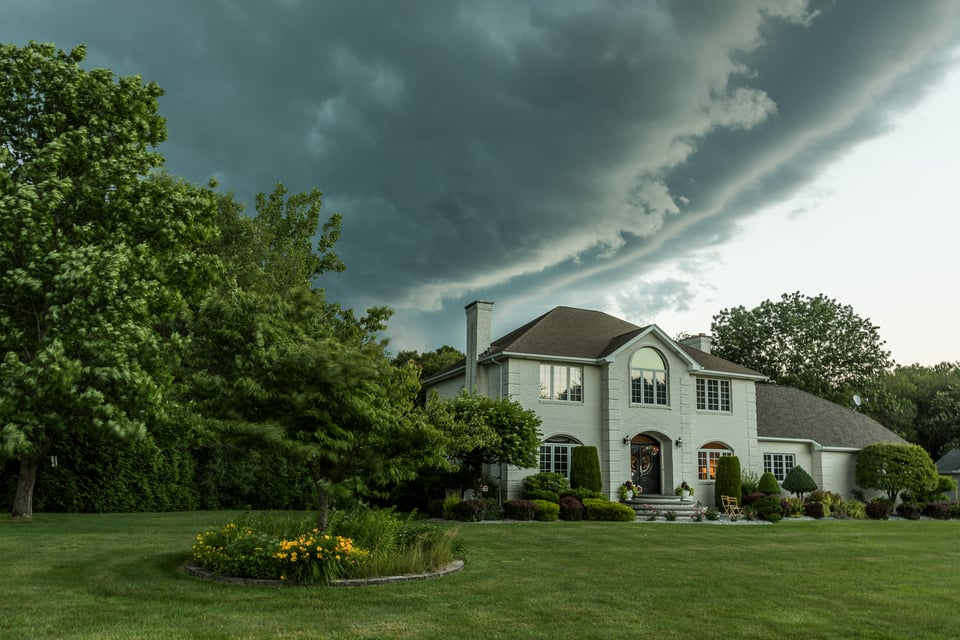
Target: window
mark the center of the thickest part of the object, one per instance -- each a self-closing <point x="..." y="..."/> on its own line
<point x="555" y="455"/>
<point x="713" y="395"/>
<point x="707" y="458"/>
<point x="648" y="377"/>
<point x="779" y="464"/>
<point x="560" y="382"/>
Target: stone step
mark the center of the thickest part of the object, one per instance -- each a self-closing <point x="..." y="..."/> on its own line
<point x="644" y="505"/>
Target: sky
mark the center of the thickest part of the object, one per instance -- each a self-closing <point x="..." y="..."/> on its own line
<point x="659" y="161"/>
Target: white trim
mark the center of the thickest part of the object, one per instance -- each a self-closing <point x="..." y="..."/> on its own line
<point x="666" y="340"/>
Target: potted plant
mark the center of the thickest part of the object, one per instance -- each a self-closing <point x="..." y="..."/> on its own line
<point x="627" y="490"/>
<point x="684" y="490"/>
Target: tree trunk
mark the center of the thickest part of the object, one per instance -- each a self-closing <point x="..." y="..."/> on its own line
<point x="323" y="508"/>
<point x="26" y="479"/>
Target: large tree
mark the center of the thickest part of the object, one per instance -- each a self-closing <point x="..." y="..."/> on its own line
<point x="275" y="364"/>
<point x="812" y="343"/>
<point x="96" y="254"/>
<point x="927" y="407"/>
<point x="893" y="468"/>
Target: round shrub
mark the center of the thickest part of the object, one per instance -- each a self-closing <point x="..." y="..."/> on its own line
<point x="519" y="509"/>
<point x="585" y="468"/>
<point x="799" y="482"/>
<point x="937" y="510"/>
<point x="470" y="510"/>
<point x="545" y="481"/>
<point x="908" y="511"/>
<point x="570" y="508"/>
<point x="879" y="510"/>
<point x="768" y="484"/>
<point x="540" y="494"/>
<point x="768" y="506"/>
<point x="813" y="509"/>
<point x="546" y="511"/>
<point x="595" y="509"/>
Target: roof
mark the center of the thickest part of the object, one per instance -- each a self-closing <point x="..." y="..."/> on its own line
<point x="786" y="412"/>
<point x="567" y="332"/>
<point x="950" y="462"/>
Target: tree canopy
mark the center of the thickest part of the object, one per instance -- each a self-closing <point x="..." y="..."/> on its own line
<point x="927" y="405"/>
<point x="812" y="343"/>
<point x="98" y="255"/>
<point x="893" y="468"/>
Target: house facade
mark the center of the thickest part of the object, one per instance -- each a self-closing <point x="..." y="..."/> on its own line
<point x="659" y="411"/>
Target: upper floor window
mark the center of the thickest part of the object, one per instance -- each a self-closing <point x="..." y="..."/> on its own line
<point x="555" y="455"/>
<point x="713" y="395"/>
<point x="648" y="377"/>
<point x="561" y="382"/>
<point x="707" y="458"/>
<point x="779" y="464"/>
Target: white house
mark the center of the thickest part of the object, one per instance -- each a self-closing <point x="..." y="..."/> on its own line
<point x="659" y="411"/>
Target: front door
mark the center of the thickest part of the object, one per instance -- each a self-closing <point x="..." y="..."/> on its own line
<point x="645" y="464"/>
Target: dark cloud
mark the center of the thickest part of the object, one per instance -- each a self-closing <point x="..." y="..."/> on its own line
<point x="531" y="153"/>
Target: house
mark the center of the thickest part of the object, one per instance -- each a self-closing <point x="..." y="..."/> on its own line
<point x="949" y="465"/>
<point x="659" y="411"/>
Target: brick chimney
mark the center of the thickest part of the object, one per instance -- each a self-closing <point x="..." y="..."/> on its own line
<point x="701" y="341"/>
<point x="479" y="315"/>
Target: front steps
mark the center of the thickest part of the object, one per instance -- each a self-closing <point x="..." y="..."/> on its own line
<point x="646" y="505"/>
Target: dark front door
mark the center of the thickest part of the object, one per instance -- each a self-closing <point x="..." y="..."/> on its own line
<point x="645" y="465"/>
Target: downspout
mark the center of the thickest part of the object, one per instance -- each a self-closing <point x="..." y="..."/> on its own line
<point x="499" y="396"/>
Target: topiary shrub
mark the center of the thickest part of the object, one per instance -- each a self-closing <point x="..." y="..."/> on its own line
<point x="570" y="508"/>
<point x="728" y="479"/>
<point x="470" y="510"/>
<point x="813" y="509"/>
<point x="768" y="506"/>
<point x="546" y="481"/>
<point x="582" y="494"/>
<point x="519" y="509"/>
<point x="799" y="482"/>
<point x="768" y="484"/>
<point x="595" y="509"/>
<point x="546" y="511"/>
<point x="908" y="511"/>
<point x="540" y="494"/>
<point x="879" y="510"/>
<point x="585" y="469"/>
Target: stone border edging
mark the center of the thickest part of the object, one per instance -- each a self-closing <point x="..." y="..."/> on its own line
<point x="203" y="574"/>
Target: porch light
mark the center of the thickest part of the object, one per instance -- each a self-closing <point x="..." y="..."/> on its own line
<point x="680" y="443"/>
<point x="626" y="439"/>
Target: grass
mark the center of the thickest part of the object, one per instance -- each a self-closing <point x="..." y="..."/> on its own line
<point x="118" y="576"/>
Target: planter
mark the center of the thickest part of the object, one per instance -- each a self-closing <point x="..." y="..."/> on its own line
<point x="684" y="494"/>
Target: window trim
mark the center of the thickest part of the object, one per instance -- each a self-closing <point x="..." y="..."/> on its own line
<point x="707" y="457"/>
<point x="553" y="369"/>
<point x="553" y="444"/>
<point x="723" y="399"/>
<point x="784" y="469"/>
<point x="638" y="374"/>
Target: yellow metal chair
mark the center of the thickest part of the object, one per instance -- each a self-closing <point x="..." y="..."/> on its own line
<point x="731" y="506"/>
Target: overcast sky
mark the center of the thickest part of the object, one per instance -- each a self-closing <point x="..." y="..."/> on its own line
<point x="656" y="160"/>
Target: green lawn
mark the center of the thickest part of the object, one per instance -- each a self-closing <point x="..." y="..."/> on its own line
<point x="119" y="576"/>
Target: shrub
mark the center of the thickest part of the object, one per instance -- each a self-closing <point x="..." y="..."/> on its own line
<point x="670" y="516"/>
<point x="546" y="481"/>
<point x="946" y="487"/>
<point x="713" y="514"/>
<point x="595" y="509"/>
<point x="813" y="509"/>
<point x="540" y="494"/>
<point x="879" y="510"/>
<point x="728" y="478"/>
<point x="470" y="510"/>
<point x="546" y="511"/>
<point x="582" y="494"/>
<point x="519" y="509"/>
<point x="752" y="497"/>
<point x="435" y="508"/>
<point x="768" y="484"/>
<point x="768" y="506"/>
<point x="570" y="508"/>
<point x="799" y="482"/>
<point x="828" y="499"/>
<point x="937" y="510"/>
<point x="853" y="509"/>
<point x="792" y="506"/>
<point x="908" y="511"/>
<point x="955" y="510"/>
<point x="774" y="517"/>
<point x="585" y="468"/>
<point x="449" y="503"/>
<point x="749" y="480"/>
<point x="893" y="468"/>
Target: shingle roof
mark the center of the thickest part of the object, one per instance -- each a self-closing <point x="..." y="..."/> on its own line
<point x="950" y="462"/>
<point x="786" y="412"/>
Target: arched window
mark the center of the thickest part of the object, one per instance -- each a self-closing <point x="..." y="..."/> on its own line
<point x="707" y="457"/>
<point x="648" y="377"/>
<point x="555" y="454"/>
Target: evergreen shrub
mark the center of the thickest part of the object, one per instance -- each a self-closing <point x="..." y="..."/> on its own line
<point x="585" y="468"/>
<point x="580" y="493"/>
<point x="540" y="494"/>
<point x="547" y="511"/>
<point x="596" y="509"/>
<point x="728" y="479"/>
<point x="768" y="484"/>
<point x="546" y="481"/>
<point x="768" y="506"/>
<point x="799" y="482"/>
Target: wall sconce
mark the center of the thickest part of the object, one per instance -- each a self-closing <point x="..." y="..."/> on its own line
<point x="626" y="439"/>
<point x="680" y="443"/>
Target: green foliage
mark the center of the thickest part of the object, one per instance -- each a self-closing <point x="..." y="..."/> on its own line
<point x="595" y="509"/>
<point x="540" y="494"/>
<point x="896" y="467"/>
<point x="829" y="499"/>
<point x="100" y="258"/>
<point x="850" y="510"/>
<point x="814" y="344"/>
<point x="926" y="407"/>
<point x="749" y="481"/>
<point x="799" y="482"/>
<point x="520" y="509"/>
<point x="545" y="481"/>
<point x="429" y="362"/>
<point x="546" y="511"/>
<point x="449" y="505"/>
<point x="728" y="479"/>
<point x="581" y="494"/>
<point x="768" y="508"/>
<point x="793" y="506"/>
<point x="768" y="484"/>
<point x="585" y="468"/>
